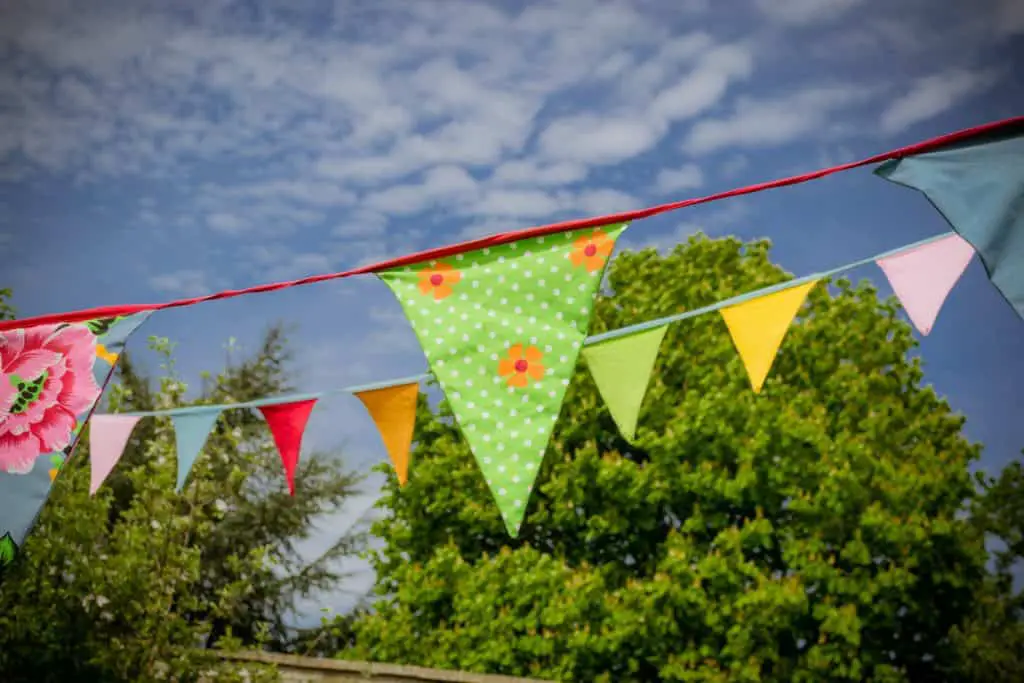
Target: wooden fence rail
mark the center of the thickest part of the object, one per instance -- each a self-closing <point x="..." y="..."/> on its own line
<point x="295" y="669"/>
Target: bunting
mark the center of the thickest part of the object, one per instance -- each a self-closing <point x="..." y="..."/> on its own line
<point x="51" y="377"/>
<point x="978" y="187"/>
<point x="923" y="277"/>
<point x="758" y="327"/>
<point x="393" y="410"/>
<point x="502" y="321"/>
<point x="190" y="433"/>
<point x="287" y="423"/>
<point x="621" y="369"/>
<point x="109" y="435"/>
<point x="502" y="328"/>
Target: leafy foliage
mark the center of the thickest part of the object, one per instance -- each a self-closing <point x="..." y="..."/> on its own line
<point x="6" y="310"/>
<point x="133" y="583"/>
<point x="811" y="532"/>
<point x="242" y="465"/>
<point x="990" y="643"/>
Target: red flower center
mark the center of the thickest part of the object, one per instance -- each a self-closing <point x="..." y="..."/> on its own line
<point x="590" y="250"/>
<point x="521" y="365"/>
<point x="436" y="279"/>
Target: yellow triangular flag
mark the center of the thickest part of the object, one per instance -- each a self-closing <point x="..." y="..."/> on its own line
<point x="393" y="410"/>
<point x="759" y="326"/>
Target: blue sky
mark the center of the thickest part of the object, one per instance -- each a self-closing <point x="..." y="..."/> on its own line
<point x="148" y="153"/>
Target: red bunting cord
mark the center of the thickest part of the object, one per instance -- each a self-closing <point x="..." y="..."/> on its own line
<point x="503" y="238"/>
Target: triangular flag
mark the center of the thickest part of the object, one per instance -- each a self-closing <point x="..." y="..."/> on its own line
<point x="922" y="277"/>
<point x="287" y="422"/>
<point x="502" y="328"/>
<point x="108" y="435"/>
<point x="758" y="327"/>
<point x="978" y="187"/>
<point x="190" y="433"/>
<point x="621" y="368"/>
<point x="393" y="410"/>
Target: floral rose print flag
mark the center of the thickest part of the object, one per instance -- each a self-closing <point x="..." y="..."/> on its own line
<point x="51" y="376"/>
<point x="502" y="328"/>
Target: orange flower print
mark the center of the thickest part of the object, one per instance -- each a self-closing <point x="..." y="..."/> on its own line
<point x="521" y="366"/>
<point x="592" y="251"/>
<point x="101" y="352"/>
<point x="438" y="280"/>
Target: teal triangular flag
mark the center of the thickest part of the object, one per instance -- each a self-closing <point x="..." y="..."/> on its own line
<point x="979" y="188"/>
<point x="190" y="431"/>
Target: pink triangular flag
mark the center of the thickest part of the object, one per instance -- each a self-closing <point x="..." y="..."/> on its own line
<point x="287" y="422"/>
<point x="922" y="277"/>
<point x="108" y="435"/>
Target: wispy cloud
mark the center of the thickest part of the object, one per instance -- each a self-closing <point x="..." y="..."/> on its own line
<point x="932" y="95"/>
<point x="187" y="282"/>
<point x="686" y="177"/>
<point x="805" y="12"/>
<point x="776" y="120"/>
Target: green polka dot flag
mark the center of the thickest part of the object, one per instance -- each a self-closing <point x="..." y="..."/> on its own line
<point x="502" y="328"/>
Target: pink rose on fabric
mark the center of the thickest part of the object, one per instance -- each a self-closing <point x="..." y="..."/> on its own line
<point x="46" y="382"/>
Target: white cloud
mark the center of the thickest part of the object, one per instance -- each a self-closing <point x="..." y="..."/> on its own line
<point x="605" y="201"/>
<point x="706" y="84"/>
<point x="516" y="203"/>
<point x="932" y="95"/>
<point x="523" y="172"/>
<point x="440" y="184"/>
<point x="185" y="282"/>
<point x="686" y="177"/>
<point x="225" y="222"/>
<point x="609" y="139"/>
<point x="593" y="139"/>
<point x="804" y="12"/>
<point x="308" y="191"/>
<point x="645" y="77"/>
<point x="362" y="224"/>
<point x="767" y="122"/>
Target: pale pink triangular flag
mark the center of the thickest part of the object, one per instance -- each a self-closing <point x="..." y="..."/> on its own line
<point x="108" y="435"/>
<point x="922" y="277"/>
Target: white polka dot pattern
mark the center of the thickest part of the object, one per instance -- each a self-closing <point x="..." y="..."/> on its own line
<point x="503" y="342"/>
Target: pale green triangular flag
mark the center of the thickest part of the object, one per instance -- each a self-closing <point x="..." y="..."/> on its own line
<point x="621" y="368"/>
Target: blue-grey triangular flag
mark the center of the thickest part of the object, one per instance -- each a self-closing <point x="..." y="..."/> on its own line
<point x="978" y="187"/>
<point x="190" y="432"/>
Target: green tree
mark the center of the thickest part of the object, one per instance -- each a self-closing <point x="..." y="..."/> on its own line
<point x="989" y="645"/>
<point x="99" y="596"/>
<point x="6" y="310"/>
<point x="999" y="513"/>
<point x="241" y="464"/>
<point x="812" y="532"/>
<point x="133" y="583"/>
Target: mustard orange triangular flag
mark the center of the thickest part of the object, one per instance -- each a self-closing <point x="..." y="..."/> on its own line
<point x="393" y="410"/>
<point x="758" y="327"/>
<point x="287" y="422"/>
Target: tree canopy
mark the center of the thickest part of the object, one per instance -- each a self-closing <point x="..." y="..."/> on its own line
<point x="132" y="584"/>
<point x="812" y="532"/>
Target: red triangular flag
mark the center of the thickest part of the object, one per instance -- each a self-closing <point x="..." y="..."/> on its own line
<point x="287" y="422"/>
